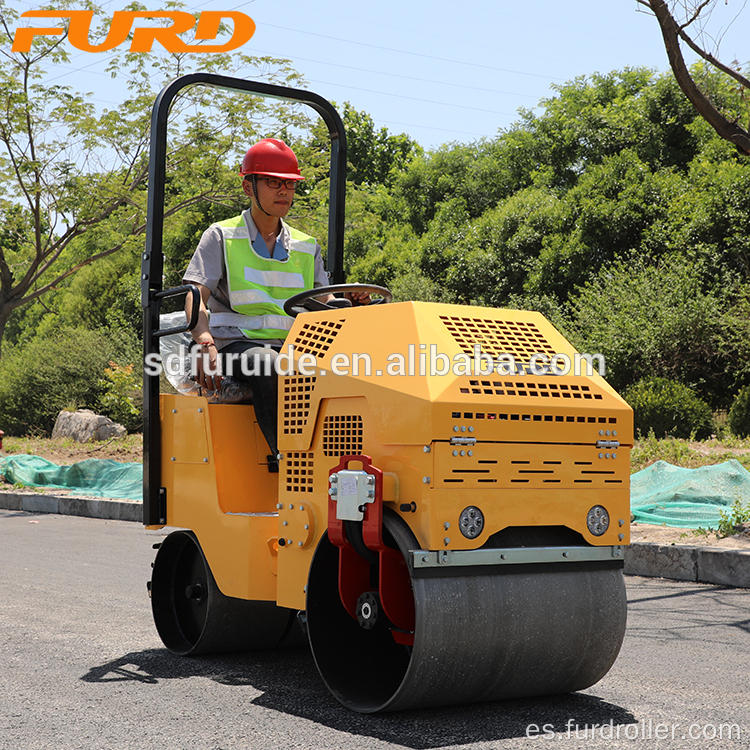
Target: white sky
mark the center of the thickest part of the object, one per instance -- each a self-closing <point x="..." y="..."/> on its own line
<point x="440" y="71"/>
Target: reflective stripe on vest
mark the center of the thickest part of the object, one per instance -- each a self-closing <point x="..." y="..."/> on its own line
<point x="258" y="287"/>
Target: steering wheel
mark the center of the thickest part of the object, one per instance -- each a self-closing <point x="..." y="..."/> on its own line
<point x="305" y="302"/>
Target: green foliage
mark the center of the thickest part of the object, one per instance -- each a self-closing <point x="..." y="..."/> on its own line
<point x="739" y="414"/>
<point x="50" y="374"/>
<point x="122" y="397"/>
<point x="654" y="319"/>
<point x="730" y="522"/>
<point x="668" y="408"/>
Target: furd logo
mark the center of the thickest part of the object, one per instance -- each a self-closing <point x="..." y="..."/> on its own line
<point x="143" y="36"/>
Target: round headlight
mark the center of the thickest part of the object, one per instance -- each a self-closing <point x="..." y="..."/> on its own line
<point x="471" y="522"/>
<point x="597" y="520"/>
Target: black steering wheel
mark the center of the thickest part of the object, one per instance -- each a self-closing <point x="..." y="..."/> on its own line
<point x="305" y="302"/>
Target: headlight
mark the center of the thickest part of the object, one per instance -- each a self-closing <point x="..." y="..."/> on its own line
<point x="597" y="520"/>
<point x="471" y="522"/>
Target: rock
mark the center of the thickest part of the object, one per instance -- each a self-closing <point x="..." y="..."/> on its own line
<point x="84" y="426"/>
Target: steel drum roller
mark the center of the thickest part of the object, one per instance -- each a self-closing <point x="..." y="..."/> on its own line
<point x="532" y="630"/>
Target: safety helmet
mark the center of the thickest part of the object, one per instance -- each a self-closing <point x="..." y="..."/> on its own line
<point x="271" y="158"/>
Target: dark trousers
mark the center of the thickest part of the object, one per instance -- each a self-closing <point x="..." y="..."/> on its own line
<point x="255" y="365"/>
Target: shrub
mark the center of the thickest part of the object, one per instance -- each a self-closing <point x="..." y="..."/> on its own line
<point x="739" y="414"/>
<point x="51" y="374"/>
<point x="668" y="408"/>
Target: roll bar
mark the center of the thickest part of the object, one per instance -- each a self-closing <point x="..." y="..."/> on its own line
<point x="152" y="262"/>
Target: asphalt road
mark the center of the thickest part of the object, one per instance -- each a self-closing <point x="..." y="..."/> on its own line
<point x="81" y="668"/>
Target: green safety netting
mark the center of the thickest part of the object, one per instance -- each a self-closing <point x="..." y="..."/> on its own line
<point x="99" y="477"/>
<point x="660" y="494"/>
<point x="687" y="498"/>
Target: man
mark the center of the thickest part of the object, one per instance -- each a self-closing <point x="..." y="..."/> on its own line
<point x="245" y="268"/>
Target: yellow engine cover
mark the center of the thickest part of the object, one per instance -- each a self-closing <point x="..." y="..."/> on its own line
<point x="410" y="385"/>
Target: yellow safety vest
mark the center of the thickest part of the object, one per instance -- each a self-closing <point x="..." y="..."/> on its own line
<point x="258" y="287"/>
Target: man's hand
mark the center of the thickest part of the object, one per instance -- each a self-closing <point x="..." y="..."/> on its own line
<point x="359" y="298"/>
<point x="208" y="373"/>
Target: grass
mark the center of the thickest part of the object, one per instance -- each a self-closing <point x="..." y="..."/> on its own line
<point x="689" y="453"/>
<point x="67" y="450"/>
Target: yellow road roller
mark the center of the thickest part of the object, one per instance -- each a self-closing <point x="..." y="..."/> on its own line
<point x="449" y="517"/>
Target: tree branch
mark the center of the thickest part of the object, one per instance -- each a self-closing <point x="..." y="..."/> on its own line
<point x="730" y="131"/>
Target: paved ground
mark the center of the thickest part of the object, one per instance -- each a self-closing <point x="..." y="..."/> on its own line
<point x="83" y="669"/>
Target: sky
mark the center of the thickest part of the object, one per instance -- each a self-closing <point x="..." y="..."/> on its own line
<point x="439" y="71"/>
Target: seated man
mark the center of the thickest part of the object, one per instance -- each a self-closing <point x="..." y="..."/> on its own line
<point x="245" y="269"/>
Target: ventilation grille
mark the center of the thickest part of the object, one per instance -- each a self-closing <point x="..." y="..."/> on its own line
<point x="540" y="474"/>
<point x="299" y="472"/>
<point x="518" y="417"/>
<point x="496" y="337"/>
<point x="316" y="338"/>
<point x="297" y="394"/>
<point x="529" y="389"/>
<point x="342" y="435"/>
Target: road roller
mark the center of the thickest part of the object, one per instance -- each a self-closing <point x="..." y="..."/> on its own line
<point x="448" y="520"/>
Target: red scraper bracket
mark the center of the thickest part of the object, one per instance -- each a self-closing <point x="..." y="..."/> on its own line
<point x="394" y="584"/>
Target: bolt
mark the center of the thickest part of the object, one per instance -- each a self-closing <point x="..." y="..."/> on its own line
<point x="622" y="536"/>
<point x="299" y="544"/>
<point x="291" y="507"/>
<point x="427" y="449"/>
<point x="622" y="522"/>
<point x="455" y="453"/>
<point x="566" y="554"/>
<point x="301" y="507"/>
<point x="607" y="432"/>
<point x="463" y="453"/>
<point x="606" y="455"/>
<point x="463" y="428"/>
<point x="447" y="541"/>
<point x="425" y="480"/>
<point x="333" y="478"/>
<point x="173" y="458"/>
<point x="614" y="433"/>
<point x="200" y="411"/>
<point x="279" y="506"/>
<point x="502" y="557"/>
<point x="601" y="455"/>
<point x="307" y="526"/>
<point x="288" y="541"/>
<point x="333" y="491"/>
<point x="601" y="432"/>
<point x="286" y="523"/>
<point x="471" y="429"/>
<point x="455" y="429"/>
<point x="370" y="493"/>
<point x="471" y="453"/>
<point x="425" y="558"/>
<point x="174" y="411"/>
<point x="205" y="460"/>
<point x="446" y="525"/>
<point x="370" y="479"/>
<point x="614" y="455"/>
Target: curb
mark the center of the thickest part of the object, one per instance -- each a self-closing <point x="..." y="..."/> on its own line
<point x="717" y="565"/>
<point x="67" y="505"/>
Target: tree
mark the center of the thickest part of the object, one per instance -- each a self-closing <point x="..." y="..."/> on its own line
<point x="718" y="114"/>
<point x="73" y="179"/>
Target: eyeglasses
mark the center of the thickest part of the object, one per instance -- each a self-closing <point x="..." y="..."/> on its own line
<point x="274" y="183"/>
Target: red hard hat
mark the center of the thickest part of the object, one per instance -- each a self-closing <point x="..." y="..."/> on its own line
<point x="271" y="158"/>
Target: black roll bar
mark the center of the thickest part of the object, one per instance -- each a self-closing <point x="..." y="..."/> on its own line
<point x="152" y="262"/>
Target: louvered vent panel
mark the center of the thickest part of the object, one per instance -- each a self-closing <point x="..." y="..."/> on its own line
<point x="530" y="389"/>
<point x="342" y="435"/>
<point x="299" y="472"/>
<point x="297" y="393"/>
<point x="496" y="337"/>
<point x="316" y="338"/>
